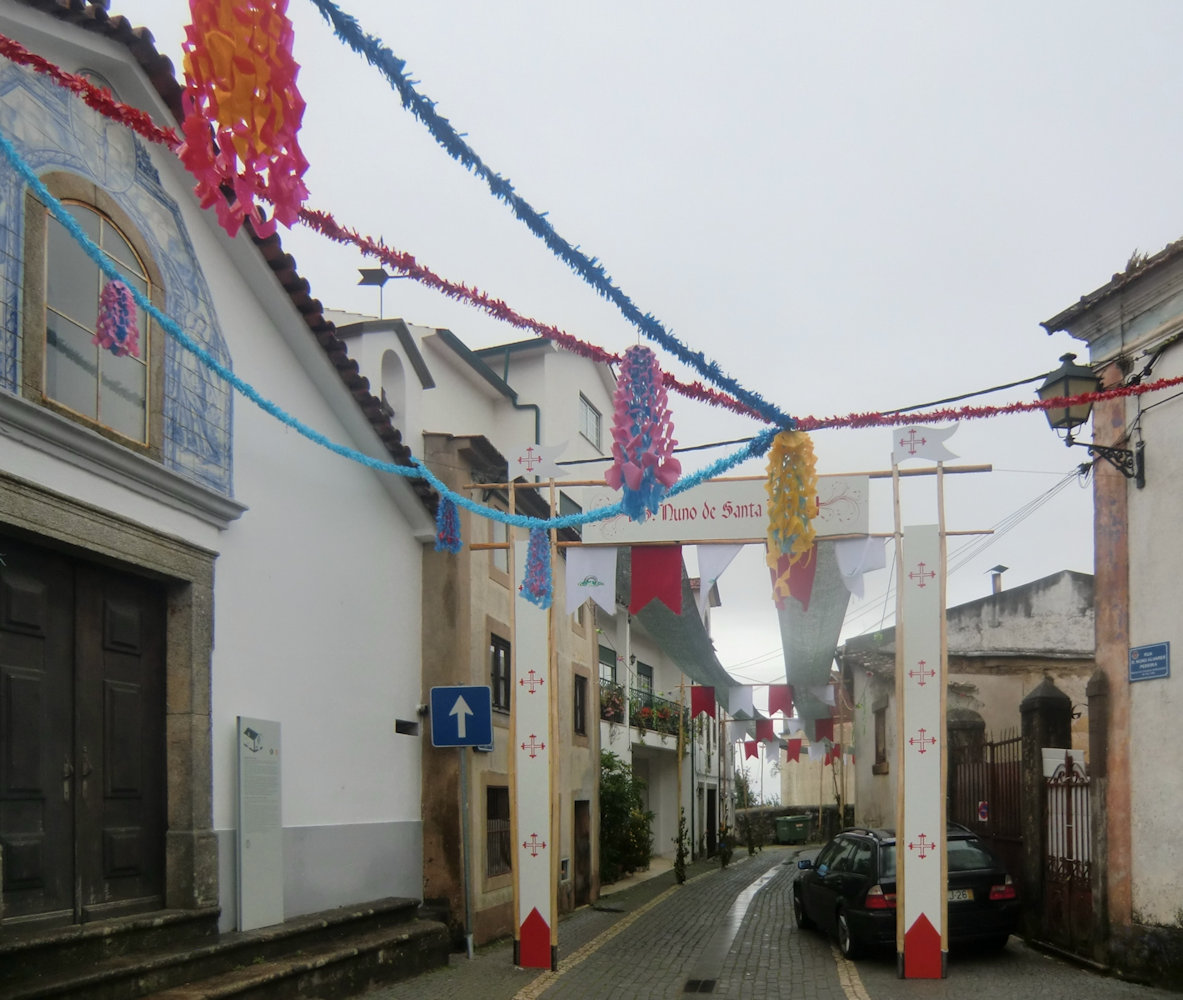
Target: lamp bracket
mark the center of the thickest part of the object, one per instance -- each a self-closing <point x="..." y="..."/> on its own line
<point x="1130" y="463"/>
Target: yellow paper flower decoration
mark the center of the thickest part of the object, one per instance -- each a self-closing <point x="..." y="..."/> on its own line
<point x="792" y="500"/>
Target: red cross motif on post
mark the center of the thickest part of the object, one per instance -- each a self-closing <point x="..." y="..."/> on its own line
<point x="532" y="682"/>
<point x="922" y="846"/>
<point x="530" y="459"/>
<point x="920" y="573"/>
<point x="532" y="746"/>
<point x="922" y="741"/>
<point x="911" y="441"/>
<point x="534" y="845"/>
<point x="921" y="673"/>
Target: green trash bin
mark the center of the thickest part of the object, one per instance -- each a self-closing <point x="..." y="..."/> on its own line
<point x="783" y="829"/>
<point x="796" y="829"/>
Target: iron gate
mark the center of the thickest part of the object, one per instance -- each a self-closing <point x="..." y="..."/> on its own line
<point x="1068" y="894"/>
<point x="986" y="795"/>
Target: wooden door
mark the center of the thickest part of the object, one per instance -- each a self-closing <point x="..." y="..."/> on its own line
<point x="582" y="852"/>
<point x="81" y="739"/>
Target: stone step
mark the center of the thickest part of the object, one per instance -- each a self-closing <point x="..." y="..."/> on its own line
<point x="377" y="940"/>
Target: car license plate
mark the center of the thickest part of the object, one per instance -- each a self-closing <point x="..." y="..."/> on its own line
<point x="961" y="895"/>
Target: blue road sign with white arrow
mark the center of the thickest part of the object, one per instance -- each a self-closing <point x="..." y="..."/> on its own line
<point x="461" y="716"/>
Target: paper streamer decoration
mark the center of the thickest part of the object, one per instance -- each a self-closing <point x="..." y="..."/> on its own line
<point x="780" y="699"/>
<point x="116" y="330"/>
<point x="643" y="465"/>
<point x="536" y="587"/>
<point x="447" y="527"/>
<point x="712" y="561"/>
<point x="741" y="702"/>
<point x="591" y="572"/>
<point x="240" y="80"/>
<point x="656" y="573"/>
<point x="857" y="556"/>
<point x="702" y="699"/>
<point x="792" y="502"/>
<point x="794" y="579"/>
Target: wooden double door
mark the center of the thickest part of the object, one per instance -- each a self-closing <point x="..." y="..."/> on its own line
<point x="82" y="748"/>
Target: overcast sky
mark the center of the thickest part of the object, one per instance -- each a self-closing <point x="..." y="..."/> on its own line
<point x="851" y="206"/>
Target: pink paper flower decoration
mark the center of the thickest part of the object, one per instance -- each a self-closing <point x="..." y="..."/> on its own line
<point x="116" y="330"/>
<point x="644" y="466"/>
<point x="243" y="111"/>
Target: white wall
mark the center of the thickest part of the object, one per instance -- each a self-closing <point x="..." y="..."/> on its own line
<point x="1156" y="773"/>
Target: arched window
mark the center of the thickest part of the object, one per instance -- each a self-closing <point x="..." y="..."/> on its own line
<point x="67" y="368"/>
<point x="80" y="374"/>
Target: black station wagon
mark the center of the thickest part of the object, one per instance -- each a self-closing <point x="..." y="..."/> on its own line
<point x="848" y="891"/>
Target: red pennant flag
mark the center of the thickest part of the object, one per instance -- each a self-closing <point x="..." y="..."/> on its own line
<point x="780" y="699"/>
<point x="657" y="572"/>
<point x="765" y="730"/>
<point x="702" y="699"/>
<point x="750" y="748"/>
<point x="823" y="729"/>
<point x="829" y="758"/>
<point x="794" y="750"/>
<point x="800" y="574"/>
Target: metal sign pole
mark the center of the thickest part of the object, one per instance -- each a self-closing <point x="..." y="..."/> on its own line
<point x="465" y="835"/>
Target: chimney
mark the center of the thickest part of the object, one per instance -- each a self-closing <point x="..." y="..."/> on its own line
<point x="996" y="578"/>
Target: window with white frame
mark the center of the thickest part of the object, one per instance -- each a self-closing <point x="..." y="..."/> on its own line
<point x="589" y="421"/>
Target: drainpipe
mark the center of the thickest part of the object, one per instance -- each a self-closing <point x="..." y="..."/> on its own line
<point x="523" y="406"/>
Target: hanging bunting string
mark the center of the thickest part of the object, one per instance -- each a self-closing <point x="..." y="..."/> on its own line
<point x="142" y="124"/>
<point x="589" y="269"/>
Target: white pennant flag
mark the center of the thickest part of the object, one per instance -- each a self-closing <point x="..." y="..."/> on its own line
<point x="712" y="561"/>
<point x="817" y="751"/>
<point x="740" y="702"/>
<point x="537" y="460"/>
<point x="921" y="442"/>
<point x="794" y="726"/>
<point x="772" y="751"/>
<point x="824" y="693"/>
<point x="857" y="556"/>
<point x="591" y="572"/>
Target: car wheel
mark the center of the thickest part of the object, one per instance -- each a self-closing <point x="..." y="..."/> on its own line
<point x="996" y="943"/>
<point x="803" y="921"/>
<point x="846" y="942"/>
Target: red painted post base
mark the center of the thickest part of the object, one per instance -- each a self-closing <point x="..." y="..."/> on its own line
<point x="534" y="942"/>
<point x="923" y="958"/>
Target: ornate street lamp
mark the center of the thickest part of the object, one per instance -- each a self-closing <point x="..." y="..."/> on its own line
<point x="1069" y="381"/>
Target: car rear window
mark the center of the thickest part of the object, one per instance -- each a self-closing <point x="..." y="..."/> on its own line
<point x="965" y="855"/>
<point x="968" y="855"/>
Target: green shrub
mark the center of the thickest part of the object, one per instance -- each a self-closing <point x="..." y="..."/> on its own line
<point x="626" y="835"/>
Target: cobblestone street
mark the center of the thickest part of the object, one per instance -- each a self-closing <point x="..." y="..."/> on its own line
<point x="730" y="932"/>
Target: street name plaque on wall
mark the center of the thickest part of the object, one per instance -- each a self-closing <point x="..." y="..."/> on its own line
<point x="1150" y="663"/>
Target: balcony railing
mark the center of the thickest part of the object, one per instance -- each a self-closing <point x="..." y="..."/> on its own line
<point x="645" y="710"/>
